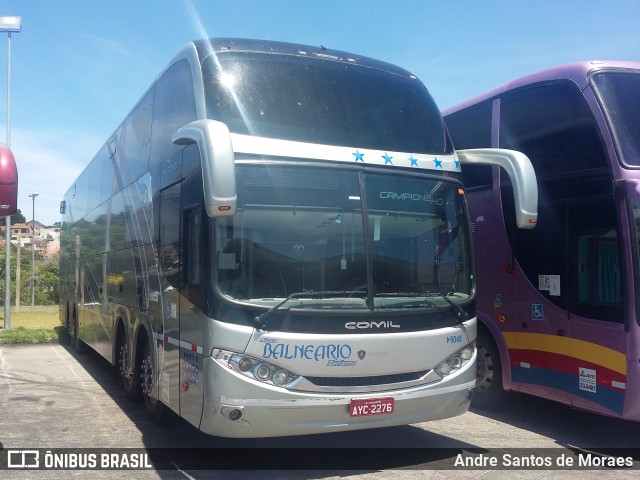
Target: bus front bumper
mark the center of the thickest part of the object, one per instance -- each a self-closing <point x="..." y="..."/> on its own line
<point x="237" y="408"/>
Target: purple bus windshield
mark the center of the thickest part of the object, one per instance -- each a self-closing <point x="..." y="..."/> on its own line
<point x="619" y="94"/>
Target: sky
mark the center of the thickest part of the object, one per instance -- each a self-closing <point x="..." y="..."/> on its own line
<point x="79" y="66"/>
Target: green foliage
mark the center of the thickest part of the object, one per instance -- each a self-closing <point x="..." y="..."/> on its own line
<point x="46" y="291"/>
<point x="23" y="335"/>
<point x="33" y="327"/>
<point x="16" y="218"/>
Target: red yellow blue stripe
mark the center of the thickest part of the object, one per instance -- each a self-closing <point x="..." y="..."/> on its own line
<point x="555" y="362"/>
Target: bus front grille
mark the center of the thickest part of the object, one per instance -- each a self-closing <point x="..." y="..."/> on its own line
<point x="371" y="383"/>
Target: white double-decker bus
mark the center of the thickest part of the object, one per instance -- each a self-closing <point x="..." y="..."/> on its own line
<point x="275" y="241"/>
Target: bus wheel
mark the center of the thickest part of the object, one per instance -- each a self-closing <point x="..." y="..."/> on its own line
<point x="155" y="408"/>
<point x="77" y="344"/>
<point x="489" y="391"/>
<point x="130" y="380"/>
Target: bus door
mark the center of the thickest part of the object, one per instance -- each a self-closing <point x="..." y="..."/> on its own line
<point x="193" y="241"/>
<point x="168" y="358"/>
<point x="554" y="126"/>
<point x="542" y="362"/>
<point x="598" y="340"/>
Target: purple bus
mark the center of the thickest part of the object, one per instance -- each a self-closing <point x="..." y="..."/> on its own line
<point x="558" y="305"/>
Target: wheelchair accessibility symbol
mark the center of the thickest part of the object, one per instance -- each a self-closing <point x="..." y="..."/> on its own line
<point x="537" y="311"/>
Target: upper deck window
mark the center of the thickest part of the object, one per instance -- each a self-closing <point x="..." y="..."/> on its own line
<point x="322" y="101"/>
<point x="553" y="125"/>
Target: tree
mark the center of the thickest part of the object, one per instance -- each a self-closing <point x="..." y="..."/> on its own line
<point x="47" y="283"/>
<point x="17" y="217"/>
<point x="46" y="292"/>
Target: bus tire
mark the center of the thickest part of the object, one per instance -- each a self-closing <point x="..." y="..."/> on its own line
<point x="157" y="411"/>
<point x="130" y="381"/>
<point x="77" y="344"/>
<point x="489" y="391"/>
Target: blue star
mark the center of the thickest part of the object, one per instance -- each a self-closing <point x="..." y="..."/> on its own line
<point x="359" y="156"/>
<point x="387" y="159"/>
<point x="414" y="161"/>
<point x="438" y="163"/>
<point x="456" y="162"/>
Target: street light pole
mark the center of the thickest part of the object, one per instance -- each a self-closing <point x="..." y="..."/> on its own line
<point x="33" y="252"/>
<point x="9" y="25"/>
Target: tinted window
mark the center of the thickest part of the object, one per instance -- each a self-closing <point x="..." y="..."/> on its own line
<point x="471" y="128"/>
<point x="620" y="95"/>
<point x="173" y="107"/>
<point x="170" y="233"/>
<point x="94" y="183"/>
<point x="322" y="101"/>
<point x="554" y="126"/>
<point x="133" y="144"/>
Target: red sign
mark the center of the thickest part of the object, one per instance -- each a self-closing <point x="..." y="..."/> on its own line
<point x="371" y="406"/>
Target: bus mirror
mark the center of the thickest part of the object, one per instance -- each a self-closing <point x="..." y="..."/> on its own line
<point x="8" y="182"/>
<point x="521" y="174"/>
<point x="217" y="159"/>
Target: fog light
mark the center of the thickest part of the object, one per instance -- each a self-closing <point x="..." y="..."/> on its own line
<point x="263" y="371"/>
<point x="235" y="414"/>
<point x="232" y="412"/>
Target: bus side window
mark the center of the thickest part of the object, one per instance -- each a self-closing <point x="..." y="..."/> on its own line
<point x="193" y="247"/>
<point x="472" y="129"/>
<point x="173" y="107"/>
<point x="170" y="233"/>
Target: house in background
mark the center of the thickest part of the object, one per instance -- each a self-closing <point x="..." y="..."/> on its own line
<point x="46" y="239"/>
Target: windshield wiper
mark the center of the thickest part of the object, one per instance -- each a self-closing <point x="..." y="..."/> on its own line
<point x="461" y="315"/>
<point x="409" y="295"/>
<point x="260" y="321"/>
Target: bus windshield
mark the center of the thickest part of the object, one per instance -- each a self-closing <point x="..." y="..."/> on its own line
<point x="322" y="101"/>
<point x="401" y="241"/>
<point x="619" y="93"/>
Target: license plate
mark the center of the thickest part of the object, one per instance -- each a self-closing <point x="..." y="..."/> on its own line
<point x="371" y="406"/>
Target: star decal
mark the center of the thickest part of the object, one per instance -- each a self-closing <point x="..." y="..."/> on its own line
<point x="438" y="163"/>
<point x="359" y="156"/>
<point x="414" y="161"/>
<point x="456" y="162"/>
<point x="387" y="159"/>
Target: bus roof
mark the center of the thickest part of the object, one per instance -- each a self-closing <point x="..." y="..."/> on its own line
<point x="578" y="72"/>
<point x="218" y="45"/>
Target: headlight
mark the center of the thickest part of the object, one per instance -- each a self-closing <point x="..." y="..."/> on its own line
<point x="456" y="361"/>
<point x="254" y="368"/>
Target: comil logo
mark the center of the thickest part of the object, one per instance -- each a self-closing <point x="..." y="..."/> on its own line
<point x="23" y="459"/>
<point x="367" y="325"/>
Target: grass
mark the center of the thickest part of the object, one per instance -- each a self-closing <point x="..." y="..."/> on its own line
<point x="33" y="327"/>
